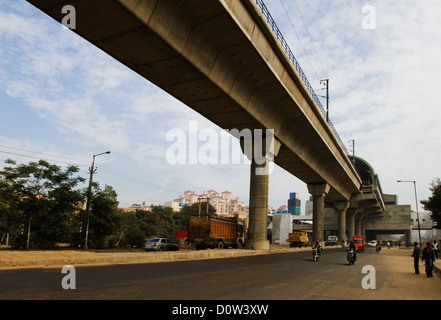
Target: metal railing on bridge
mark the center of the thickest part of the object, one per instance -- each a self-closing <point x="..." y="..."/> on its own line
<point x="296" y="65"/>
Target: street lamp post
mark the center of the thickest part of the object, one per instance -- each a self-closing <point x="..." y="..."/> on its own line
<point x="416" y="203"/>
<point x="89" y="196"/>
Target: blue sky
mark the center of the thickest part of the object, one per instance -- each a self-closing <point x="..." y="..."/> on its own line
<point x="64" y="100"/>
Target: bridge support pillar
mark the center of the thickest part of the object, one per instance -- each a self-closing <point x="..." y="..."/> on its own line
<point x="260" y="168"/>
<point x="358" y="221"/>
<point x="258" y="215"/>
<point x="408" y="236"/>
<point x="257" y="231"/>
<point x="341" y="207"/>
<point x="318" y="192"/>
<point x="350" y="222"/>
<point x="363" y="226"/>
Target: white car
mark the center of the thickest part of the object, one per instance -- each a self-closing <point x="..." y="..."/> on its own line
<point x="372" y="243"/>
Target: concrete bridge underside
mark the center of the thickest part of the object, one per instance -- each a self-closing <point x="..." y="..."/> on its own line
<point x="220" y="58"/>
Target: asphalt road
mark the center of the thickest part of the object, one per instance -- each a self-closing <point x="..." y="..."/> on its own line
<point x="285" y="276"/>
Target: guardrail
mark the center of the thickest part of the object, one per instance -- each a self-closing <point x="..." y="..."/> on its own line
<point x="296" y="65"/>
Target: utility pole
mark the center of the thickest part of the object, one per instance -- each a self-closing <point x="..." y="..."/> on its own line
<point x="89" y="196"/>
<point x="416" y="203"/>
<point x="326" y="83"/>
<point x="207" y="201"/>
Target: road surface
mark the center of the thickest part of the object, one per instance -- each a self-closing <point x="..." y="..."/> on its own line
<point x="284" y="276"/>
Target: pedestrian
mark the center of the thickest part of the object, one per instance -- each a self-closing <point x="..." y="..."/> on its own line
<point x="416" y="257"/>
<point x="435" y="249"/>
<point x="428" y="257"/>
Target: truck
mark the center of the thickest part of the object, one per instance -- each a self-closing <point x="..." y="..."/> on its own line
<point x="219" y="232"/>
<point x="332" y="240"/>
<point x="298" y="239"/>
<point x="359" y="243"/>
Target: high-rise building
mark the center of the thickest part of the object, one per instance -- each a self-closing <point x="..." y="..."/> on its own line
<point x="294" y="203"/>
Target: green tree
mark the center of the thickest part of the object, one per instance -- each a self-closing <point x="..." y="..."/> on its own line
<point x="43" y="200"/>
<point x="141" y="225"/>
<point x="130" y="232"/>
<point x="164" y="217"/>
<point x="433" y="204"/>
<point x="10" y="214"/>
<point x="104" y="217"/>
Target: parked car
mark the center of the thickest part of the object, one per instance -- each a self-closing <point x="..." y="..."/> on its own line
<point x="160" y="244"/>
<point x="372" y="243"/>
<point x="332" y="241"/>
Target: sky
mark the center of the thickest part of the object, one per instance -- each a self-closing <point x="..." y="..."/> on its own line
<point x="64" y="100"/>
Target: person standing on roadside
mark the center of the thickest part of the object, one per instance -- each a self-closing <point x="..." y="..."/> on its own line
<point x="428" y="257"/>
<point x="416" y="257"/>
<point x="435" y="249"/>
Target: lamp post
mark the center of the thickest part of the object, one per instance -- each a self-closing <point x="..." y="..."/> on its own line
<point x="89" y="195"/>
<point x="416" y="203"/>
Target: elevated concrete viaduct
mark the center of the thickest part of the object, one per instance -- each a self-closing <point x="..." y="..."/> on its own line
<point x="227" y="60"/>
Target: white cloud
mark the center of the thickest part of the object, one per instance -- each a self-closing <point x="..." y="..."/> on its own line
<point x="384" y="94"/>
<point x="384" y="82"/>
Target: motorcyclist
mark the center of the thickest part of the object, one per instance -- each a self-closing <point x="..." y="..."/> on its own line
<point x="353" y="247"/>
<point x="378" y="246"/>
<point x="318" y="247"/>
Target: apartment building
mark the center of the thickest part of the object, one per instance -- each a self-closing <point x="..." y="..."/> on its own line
<point x="222" y="202"/>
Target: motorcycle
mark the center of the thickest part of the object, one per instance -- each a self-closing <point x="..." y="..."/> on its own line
<point x="351" y="258"/>
<point x="315" y="254"/>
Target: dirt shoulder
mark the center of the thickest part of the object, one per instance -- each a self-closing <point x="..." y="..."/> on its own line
<point x="402" y="283"/>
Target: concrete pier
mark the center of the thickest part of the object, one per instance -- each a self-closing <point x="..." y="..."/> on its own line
<point x="257" y="232"/>
<point x="318" y="192"/>
<point x="350" y="222"/>
<point x="340" y="208"/>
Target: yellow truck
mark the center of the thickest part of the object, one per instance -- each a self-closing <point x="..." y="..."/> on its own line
<point x="298" y="239"/>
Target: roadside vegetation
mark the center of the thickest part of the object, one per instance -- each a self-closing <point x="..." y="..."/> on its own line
<point x="433" y="204"/>
<point x="44" y="206"/>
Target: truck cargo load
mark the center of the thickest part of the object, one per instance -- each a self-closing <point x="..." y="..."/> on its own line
<point x="220" y="232"/>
